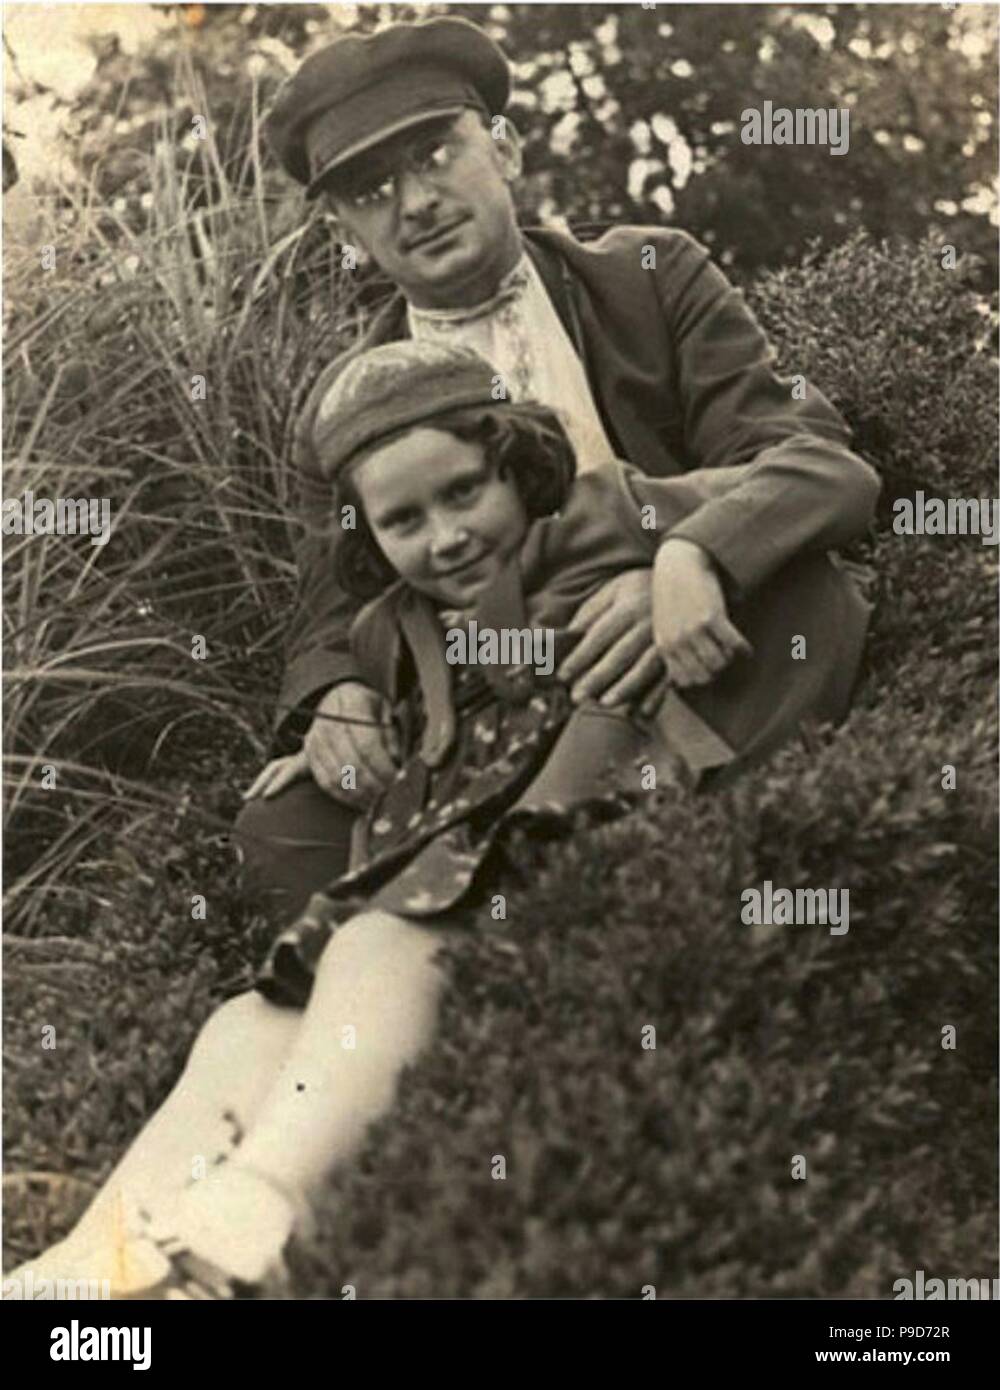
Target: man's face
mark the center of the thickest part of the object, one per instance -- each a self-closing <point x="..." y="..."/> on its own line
<point x="442" y="516"/>
<point x="433" y="208"/>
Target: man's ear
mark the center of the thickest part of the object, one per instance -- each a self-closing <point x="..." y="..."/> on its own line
<point x="342" y="229"/>
<point x="507" y="139"/>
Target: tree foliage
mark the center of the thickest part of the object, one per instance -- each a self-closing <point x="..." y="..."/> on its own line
<point x="633" y="113"/>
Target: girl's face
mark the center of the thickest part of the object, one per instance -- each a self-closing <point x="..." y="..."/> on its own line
<point x="441" y="515"/>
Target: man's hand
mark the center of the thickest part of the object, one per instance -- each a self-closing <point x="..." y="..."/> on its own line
<point x="350" y="729"/>
<point x="615" y="661"/>
<point x="279" y="774"/>
<point x="367" y="744"/>
<point x="691" y="626"/>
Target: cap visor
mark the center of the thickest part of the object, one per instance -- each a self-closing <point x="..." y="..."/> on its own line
<point x="386" y="133"/>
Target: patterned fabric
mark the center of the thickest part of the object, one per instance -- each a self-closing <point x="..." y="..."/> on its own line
<point x="519" y="332"/>
<point x="432" y="842"/>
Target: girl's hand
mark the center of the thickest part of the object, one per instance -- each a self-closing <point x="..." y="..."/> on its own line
<point x="691" y="626"/>
<point x="279" y="774"/>
<point x="615" y="662"/>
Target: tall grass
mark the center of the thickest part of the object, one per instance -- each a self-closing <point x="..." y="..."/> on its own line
<point x="222" y="281"/>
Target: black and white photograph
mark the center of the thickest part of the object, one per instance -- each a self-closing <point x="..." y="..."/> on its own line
<point x="500" y="660"/>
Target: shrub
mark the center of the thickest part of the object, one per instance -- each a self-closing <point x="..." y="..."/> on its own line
<point x="903" y="347"/>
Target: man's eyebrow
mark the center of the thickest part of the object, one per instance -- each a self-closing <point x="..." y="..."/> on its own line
<point x="376" y="164"/>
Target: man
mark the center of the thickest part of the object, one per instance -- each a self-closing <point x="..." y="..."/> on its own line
<point x="643" y="346"/>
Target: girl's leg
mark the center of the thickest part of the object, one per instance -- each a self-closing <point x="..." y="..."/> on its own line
<point x="234" y="1063"/>
<point x="372" y="1010"/>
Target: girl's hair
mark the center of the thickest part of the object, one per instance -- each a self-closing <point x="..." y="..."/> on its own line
<point x="526" y="441"/>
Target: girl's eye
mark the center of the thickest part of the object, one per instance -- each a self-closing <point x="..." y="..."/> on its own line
<point x="399" y="522"/>
<point x="466" y="489"/>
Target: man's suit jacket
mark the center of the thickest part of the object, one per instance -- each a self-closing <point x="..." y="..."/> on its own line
<point x="683" y="378"/>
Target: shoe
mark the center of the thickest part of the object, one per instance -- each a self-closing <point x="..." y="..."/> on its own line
<point x="226" y="1234"/>
<point x="132" y="1268"/>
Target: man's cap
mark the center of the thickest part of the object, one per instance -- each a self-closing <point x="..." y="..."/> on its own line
<point x="393" y="387"/>
<point x="360" y="90"/>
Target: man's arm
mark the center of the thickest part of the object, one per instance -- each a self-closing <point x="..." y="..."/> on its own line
<point x="317" y="648"/>
<point x="693" y="633"/>
<point x="791" y="482"/>
<point x="803" y="489"/>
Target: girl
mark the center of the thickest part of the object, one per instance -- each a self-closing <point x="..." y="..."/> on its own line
<point x="462" y="518"/>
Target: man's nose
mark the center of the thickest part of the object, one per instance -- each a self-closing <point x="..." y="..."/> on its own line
<point x="417" y="195"/>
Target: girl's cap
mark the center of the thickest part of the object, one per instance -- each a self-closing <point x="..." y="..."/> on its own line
<point x="389" y="387"/>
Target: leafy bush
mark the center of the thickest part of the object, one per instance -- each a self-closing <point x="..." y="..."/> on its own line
<point x="634" y="113"/>
<point x="672" y="1167"/>
<point x="903" y="346"/>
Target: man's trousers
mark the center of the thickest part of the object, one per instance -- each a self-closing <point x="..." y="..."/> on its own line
<point x="291" y="846"/>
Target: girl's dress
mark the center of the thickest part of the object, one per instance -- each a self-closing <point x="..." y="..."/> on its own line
<point x="489" y="747"/>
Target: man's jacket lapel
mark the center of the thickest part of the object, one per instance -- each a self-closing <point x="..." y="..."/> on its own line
<point x="618" y="379"/>
<point x="566" y="293"/>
